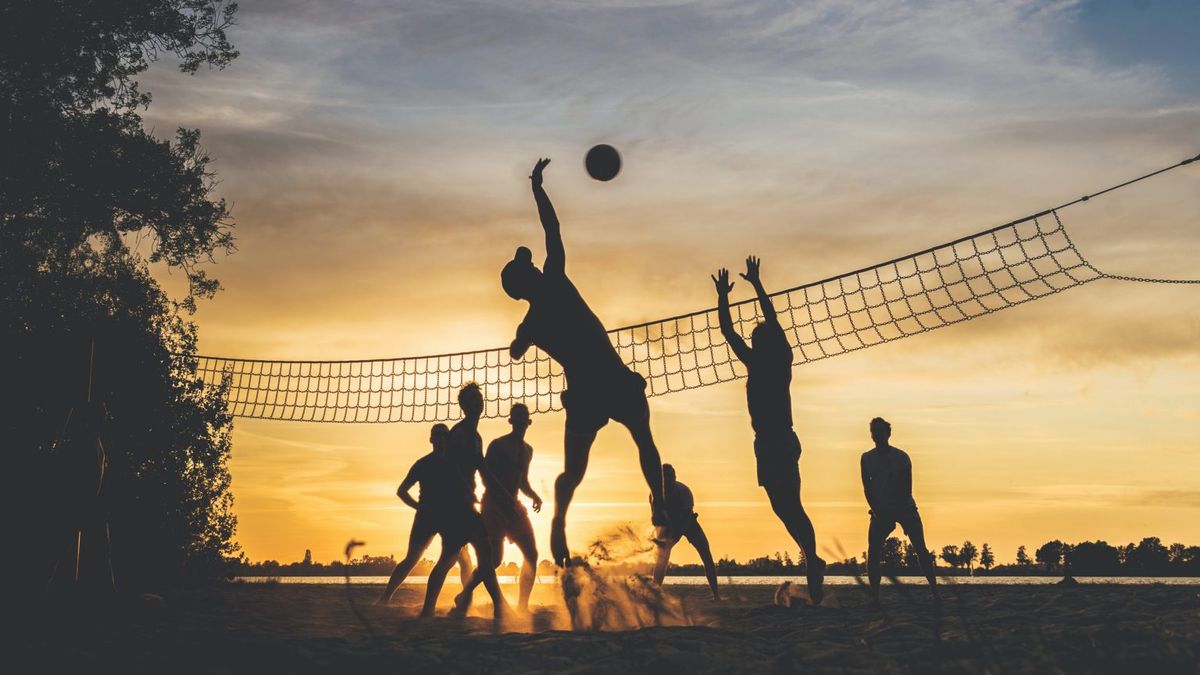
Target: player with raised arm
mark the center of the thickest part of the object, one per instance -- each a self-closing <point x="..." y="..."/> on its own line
<point x="768" y="361"/>
<point x="600" y="387"/>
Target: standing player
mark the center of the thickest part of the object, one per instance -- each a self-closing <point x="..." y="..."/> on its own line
<point x="769" y="398"/>
<point x="435" y="480"/>
<point x="462" y="524"/>
<point x="503" y="515"/>
<point x="887" y="483"/>
<point x="599" y="385"/>
<point x="684" y="523"/>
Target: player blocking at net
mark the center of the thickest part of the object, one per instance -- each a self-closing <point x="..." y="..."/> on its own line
<point x="600" y="387"/>
<point x="768" y="361"/>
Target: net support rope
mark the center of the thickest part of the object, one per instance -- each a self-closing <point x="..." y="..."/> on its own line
<point x="970" y="277"/>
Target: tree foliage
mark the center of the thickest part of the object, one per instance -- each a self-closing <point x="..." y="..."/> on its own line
<point x="89" y="200"/>
<point x="986" y="557"/>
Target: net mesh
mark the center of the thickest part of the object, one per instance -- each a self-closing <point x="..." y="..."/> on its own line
<point x="957" y="281"/>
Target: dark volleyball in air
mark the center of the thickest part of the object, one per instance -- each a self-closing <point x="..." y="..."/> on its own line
<point x="603" y="162"/>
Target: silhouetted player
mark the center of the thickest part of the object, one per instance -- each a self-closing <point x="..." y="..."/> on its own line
<point x="462" y="524"/>
<point x="434" y="476"/>
<point x="503" y="515"/>
<point x="684" y="523"/>
<point x="768" y="362"/>
<point x="599" y="385"/>
<point x="887" y="483"/>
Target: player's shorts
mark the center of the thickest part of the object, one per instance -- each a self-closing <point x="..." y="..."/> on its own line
<point x="778" y="458"/>
<point x="884" y="523"/>
<point x="676" y="531"/>
<point x="507" y="520"/>
<point x="459" y="525"/>
<point x="591" y="402"/>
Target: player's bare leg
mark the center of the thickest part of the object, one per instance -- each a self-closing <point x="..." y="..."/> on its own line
<point x="785" y="502"/>
<point x="485" y="573"/>
<point x="916" y="537"/>
<point x="464" y="566"/>
<point x="662" y="555"/>
<point x="699" y="540"/>
<point x="528" y="573"/>
<point x="576" y="449"/>
<point x="651" y="463"/>
<point x="418" y="541"/>
<point x="437" y="577"/>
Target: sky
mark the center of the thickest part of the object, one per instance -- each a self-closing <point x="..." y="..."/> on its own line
<point x="375" y="155"/>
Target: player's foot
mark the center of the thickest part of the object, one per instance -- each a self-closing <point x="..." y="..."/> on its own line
<point x="558" y="542"/>
<point x="462" y="603"/>
<point x="816" y="581"/>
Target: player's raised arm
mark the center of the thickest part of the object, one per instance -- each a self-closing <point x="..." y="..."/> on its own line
<point x="556" y="254"/>
<point x="402" y="492"/>
<point x="721" y="280"/>
<point x="751" y="274"/>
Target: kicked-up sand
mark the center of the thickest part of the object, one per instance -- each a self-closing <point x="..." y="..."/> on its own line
<point x="281" y="628"/>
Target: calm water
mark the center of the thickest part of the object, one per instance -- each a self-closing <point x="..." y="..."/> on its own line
<point x="767" y="581"/>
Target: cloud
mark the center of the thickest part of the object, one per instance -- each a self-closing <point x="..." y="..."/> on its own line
<point x="376" y="158"/>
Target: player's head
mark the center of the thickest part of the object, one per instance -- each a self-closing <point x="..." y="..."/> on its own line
<point x="881" y="430"/>
<point x="518" y="417"/>
<point x="520" y="277"/>
<point x="438" y="435"/>
<point x="470" y="399"/>
<point x="766" y="338"/>
<point x="668" y="475"/>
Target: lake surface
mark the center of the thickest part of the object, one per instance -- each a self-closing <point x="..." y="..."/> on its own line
<point x="765" y="581"/>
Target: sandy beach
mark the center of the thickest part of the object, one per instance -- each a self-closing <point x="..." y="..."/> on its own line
<point x="291" y="628"/>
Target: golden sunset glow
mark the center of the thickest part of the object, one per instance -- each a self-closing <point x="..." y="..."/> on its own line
<point x="376" y="161"/>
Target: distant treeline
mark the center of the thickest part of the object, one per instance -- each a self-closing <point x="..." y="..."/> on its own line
<point x="1148" y="558"/>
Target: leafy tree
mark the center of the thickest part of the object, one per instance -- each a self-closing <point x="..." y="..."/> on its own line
<point x="1094" y="558"/>
<point x="89" y="199"/>
<point x="967" y="554"/>
<point x="1050" y="555"/>
<point x="986" y="557"/>
<point x="911" y="559"/>
<point x="1177" y="553"/>
<point x="892" y="556"/>
<point x="1023" y="557"/>
<point x="951" y="555"/>
<point x="1149" y="557"/>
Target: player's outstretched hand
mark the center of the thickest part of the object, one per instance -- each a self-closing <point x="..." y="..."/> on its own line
<point x="536" y="176"/>
<point x="752" y="266"/>
<point x="537" y="504"/>
<point x="721" y="280"/>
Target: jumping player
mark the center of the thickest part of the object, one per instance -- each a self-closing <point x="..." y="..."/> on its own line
<point x="681" y="506"/>
<point x="462" y="524"/>
<point x="768" y="395"/>
<point x="599" y="385"/>
<point x="434" y="478"/>
<point x="887" y="483"/>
